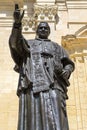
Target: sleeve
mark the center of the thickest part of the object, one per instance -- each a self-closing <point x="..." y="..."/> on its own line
<point x="62" y="63"/>
<point x="62" y="60"/>
<point x="16" y="42"/>
<point x="68" y="64"/>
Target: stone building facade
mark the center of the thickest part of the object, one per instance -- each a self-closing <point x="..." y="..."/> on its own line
<point x="68" y="22"/>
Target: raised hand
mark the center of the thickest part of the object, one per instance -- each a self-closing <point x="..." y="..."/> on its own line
<point x="17" y="14"/>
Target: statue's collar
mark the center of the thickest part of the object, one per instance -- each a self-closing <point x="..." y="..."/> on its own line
<point x="42" y="39"/>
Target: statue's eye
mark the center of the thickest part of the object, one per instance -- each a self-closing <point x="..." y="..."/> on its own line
<point x="45" y="28"/>
<point x="41" y="28"/>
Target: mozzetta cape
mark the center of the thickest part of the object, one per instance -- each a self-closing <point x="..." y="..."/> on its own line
<point x="36" y="61"/>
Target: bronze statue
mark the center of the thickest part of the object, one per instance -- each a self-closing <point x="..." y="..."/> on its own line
<point x="44" y="69"/>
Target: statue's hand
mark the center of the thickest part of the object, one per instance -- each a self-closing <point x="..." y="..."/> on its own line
<point x="17" y="14"/>
<point x="65" y="74"/>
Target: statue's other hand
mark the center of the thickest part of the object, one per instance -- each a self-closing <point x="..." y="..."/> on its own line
<point x="65" y="74"/>
<point x="17" y="14"/>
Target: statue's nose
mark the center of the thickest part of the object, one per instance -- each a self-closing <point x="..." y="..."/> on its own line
<point x="43" y="28"/>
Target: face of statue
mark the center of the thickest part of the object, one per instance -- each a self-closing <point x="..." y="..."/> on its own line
<point x="43" y="30"/>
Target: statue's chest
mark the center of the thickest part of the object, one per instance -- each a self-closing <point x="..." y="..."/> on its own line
<point x="42" y="47"/>
<point x="38" y="75"/>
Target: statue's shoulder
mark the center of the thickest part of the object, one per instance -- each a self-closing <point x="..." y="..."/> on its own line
<point x="56" y="45"/>
<point x="30" y="41"/>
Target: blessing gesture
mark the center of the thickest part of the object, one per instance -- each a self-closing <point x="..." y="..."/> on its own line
<point x="18" y="16"/>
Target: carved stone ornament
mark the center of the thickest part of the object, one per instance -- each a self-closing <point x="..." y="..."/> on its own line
<point x="76" y="46"/>
<point x="45" y="12"/>
<point x="41" y="13"/>
<point x="29" y="24"/>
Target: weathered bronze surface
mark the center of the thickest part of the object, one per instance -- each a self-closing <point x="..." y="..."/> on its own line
<point x="44" y="69"/>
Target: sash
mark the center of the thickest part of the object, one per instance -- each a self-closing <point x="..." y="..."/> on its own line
<point x="38" y="75"/>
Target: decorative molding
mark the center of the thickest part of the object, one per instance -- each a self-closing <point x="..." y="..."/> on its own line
<point x="62" y="5"/>
<point x="76" y="46"/>
<point x="65" y="5"/>
<point x="77" y="23"/>
<point x="81" y="30"/>
<point x="45" y="12"/>
<point x="79" y="56"/>
<point x="74" y="43"/>
<point x="6" y="21"/>
<point x="29" y="25"/>
<point x="76" y="4"/>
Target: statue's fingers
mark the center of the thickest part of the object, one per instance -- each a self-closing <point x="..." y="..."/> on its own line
<point x="22" y="14"/>
<point x="16" y="6"/>
<point x="63" y="73"/>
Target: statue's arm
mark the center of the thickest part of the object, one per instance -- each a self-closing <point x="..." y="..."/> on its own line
<point x="16" y="39"/>
<point x="16" y="35"/>
<point x="15" y="44"/>
<point x="68" y="64"/>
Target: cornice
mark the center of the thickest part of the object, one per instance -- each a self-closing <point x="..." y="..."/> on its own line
<point x="76" y="23"/>
<point x="6" y="21"/>
<point x="80" y="57"/>
<point x="72" y="41"/>
<point x="71" y="4"/>
<point x="76" y="4"/>
<point x="76" y="47"/>
<point x="62" y="5"/>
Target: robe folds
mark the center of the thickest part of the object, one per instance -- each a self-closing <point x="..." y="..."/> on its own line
<point x="41" y="90"/>
<point x="43" y="111"/>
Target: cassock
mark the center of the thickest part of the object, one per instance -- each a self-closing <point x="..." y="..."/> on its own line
<point x="42" y="91"/>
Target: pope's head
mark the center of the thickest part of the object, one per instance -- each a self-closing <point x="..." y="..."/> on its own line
<point x="43" y="30"/>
